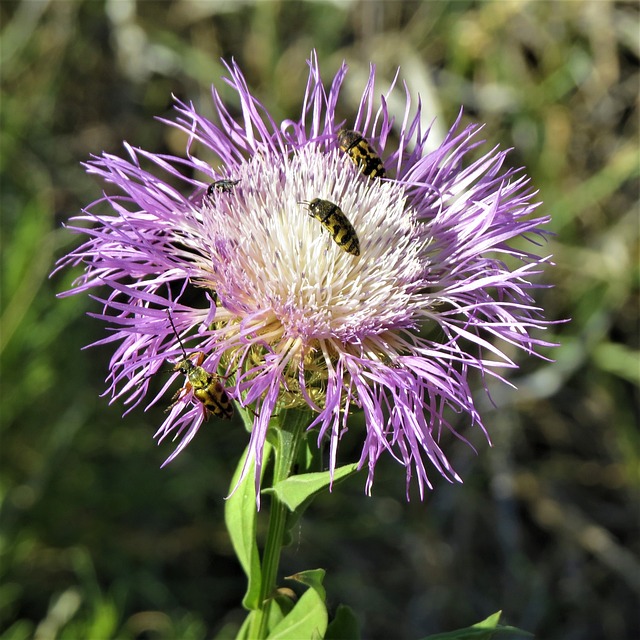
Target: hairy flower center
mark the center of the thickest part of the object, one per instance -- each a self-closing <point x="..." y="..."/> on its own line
<point x="284" y="282"/>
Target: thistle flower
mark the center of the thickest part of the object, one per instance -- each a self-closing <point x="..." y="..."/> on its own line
<point x="274" y="303"/>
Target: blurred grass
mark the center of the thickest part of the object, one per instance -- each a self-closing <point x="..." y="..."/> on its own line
<point x="98" y="542"/>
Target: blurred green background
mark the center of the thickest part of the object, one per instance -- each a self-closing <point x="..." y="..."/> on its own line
<point x="98" y="542"/>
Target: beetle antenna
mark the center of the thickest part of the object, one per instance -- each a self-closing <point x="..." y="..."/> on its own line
<point x="173" y="326"/>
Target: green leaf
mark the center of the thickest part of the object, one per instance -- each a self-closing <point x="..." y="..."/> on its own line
<point x="308" y="619"/>
<point x="296" y="489"/>
<point x="312" y="578"/>
<point x="281" y="605"/>
<point x="485" y="630"/>
<point x="240" y="516"/>
<point x="344" y="626"/>
<point x="247" y="416"/>
<point x="243" y="632"/>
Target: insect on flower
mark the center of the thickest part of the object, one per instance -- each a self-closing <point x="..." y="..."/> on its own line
<point x="337" y="224"/>
<point x="224" y="186"/>
<point x="361" y="152"/>
<point x="206" y="386"/>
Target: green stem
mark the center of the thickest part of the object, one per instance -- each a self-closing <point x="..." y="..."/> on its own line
<point x="289" y="434"/>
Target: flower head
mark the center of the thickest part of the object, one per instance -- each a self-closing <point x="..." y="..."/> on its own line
<point x="257" y="269"/>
